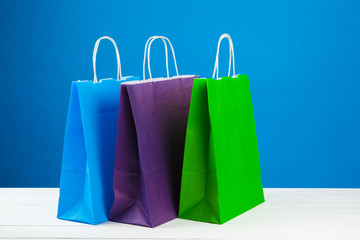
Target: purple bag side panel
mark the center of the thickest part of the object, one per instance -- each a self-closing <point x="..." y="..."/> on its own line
<point x="160" y="110"/>
<point x="130" y="203"/>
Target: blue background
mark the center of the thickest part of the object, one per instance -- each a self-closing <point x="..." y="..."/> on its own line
<point x="302" y="58"/>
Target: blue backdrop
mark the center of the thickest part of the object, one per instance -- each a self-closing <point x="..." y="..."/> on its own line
<point x="302" y="58"/>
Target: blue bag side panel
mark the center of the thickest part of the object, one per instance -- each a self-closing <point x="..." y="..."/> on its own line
<point x="73" y="171"/>
<point x="91" y="196"/>
<point x="99" y="104"/>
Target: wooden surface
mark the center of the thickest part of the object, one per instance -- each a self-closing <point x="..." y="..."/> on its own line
<point x="287" y="214"/>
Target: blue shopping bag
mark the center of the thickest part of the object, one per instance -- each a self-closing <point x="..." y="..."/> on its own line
<point x="86" y="193"/>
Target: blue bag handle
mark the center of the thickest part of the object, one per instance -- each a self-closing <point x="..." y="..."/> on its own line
<point x="119" y="75"/>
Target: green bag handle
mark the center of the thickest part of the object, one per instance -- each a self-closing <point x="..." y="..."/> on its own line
<point x="231" y="57"/>
<point x="119" y="75"/>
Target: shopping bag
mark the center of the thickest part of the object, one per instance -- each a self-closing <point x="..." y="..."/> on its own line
<point x="89" y="148"/>
<point x="221" y="168"/>
<point x="150" y="145"/>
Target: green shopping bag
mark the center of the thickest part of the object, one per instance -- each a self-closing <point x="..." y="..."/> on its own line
<point x="221" y="168"/>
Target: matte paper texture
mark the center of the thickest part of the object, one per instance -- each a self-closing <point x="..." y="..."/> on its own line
<point x="149" y="151"/>
<point x="221" y="170"/>
<point x="89" y="151"/>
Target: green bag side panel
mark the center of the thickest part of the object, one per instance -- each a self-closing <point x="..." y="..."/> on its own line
<point x="199" y="195"/>
<point x="236" y="150"/>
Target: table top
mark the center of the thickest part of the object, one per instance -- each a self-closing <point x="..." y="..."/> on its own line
<point x="287" y="214"/>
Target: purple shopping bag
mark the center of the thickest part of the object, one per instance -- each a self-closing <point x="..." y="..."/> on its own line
<point x="149" y="150"/>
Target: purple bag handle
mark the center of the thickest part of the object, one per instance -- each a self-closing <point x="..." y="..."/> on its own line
<point x="147" y="51"/>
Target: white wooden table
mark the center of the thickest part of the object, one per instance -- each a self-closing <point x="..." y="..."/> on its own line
<point x="287" y="214"/>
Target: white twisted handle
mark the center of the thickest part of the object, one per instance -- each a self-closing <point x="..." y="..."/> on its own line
<point x="119" y="75"/>
<point x="231" y="57"/>
<point x="147" y="50"/>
